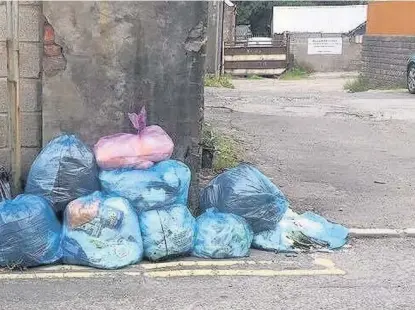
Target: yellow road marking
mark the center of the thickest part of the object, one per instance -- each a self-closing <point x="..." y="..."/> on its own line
<point x="65" y="272"/>
<point x="243" y="272"/>
<point x="203" y="263"/>
<point x="324" y="262"/>
<point x="57" y="268"/>
<point x="54" y="275"/>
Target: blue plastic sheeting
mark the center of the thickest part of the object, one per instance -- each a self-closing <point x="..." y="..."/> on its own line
<point x="221" y="235"/>
<point x="322" y="231"/>
<point x="63" y="171"/>
<point x="282" y="238"/>
<point x="246" y="192"/>
<point x="295" y="233"/>
<point x="101" y="232"/>
<point x="166" y="183"/>
<point x="167" y="232"/>
<point x="30" y="234"/>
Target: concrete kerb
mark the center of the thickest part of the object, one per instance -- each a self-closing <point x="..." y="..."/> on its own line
<point x="360" y="233"/>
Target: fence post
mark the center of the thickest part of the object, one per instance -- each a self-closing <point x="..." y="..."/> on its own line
<point x="13" y="84"/>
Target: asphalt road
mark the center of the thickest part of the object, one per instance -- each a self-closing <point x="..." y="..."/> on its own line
<point x="379" y="274"/>
<point x="349" y="157"/>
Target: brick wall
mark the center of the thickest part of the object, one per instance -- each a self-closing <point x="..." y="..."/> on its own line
<point x="30" y="84"/>
<point x="385" y="58"/>
<point x="349" y="60"/>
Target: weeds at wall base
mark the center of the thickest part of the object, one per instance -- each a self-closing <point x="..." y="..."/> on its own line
<point x="224" y="149"/>
<point x="222" y="81"/>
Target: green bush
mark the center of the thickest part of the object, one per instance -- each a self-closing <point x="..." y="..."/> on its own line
<point x="358" y="84"/>
<point x="218" y="81"/>
<point x="226" y="150"/>
<point x="254" y="77"/>
<point x="297" y="72"/>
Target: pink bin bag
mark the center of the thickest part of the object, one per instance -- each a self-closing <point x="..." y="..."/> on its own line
<point x="150" y="145"/>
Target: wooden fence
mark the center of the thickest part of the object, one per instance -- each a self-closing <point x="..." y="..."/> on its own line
<point x="267" y="59"/>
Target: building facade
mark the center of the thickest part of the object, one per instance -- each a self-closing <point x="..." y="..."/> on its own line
<point x="389" y="41"/>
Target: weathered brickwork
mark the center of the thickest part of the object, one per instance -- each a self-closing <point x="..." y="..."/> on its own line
<point x="385" y="59"/>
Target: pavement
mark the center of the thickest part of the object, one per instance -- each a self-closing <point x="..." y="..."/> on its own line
<point x="346" y="156"/>
<point x="370" y="274"/>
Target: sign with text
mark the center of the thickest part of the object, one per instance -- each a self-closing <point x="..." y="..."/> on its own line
<point x="325" y="46"/>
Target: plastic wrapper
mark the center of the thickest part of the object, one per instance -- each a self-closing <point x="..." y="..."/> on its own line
<point x="30" y="234"/>
<point x="283" y="237"/>
<point x="221" y="235"/>
<point x="296" y="233"/>
<point x="167" y="232"/>
<point x="101" y="231"/>
<point x="63" y="171"/>
<point x="166" y="183"/>
<point x="5" y="192"/>
<point x="151" y="144"/>
<point x="246" y="192"/>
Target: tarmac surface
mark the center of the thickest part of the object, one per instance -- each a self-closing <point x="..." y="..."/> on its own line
<point x="349" y="157"/>
<point x="370" y="274"/>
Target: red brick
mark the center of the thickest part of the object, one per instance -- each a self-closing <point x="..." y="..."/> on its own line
<point x="48" y="34"/>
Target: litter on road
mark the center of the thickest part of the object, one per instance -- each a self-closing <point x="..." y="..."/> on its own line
<point x="101" y="231"/>
<point x="30" y="233"/>
<point x="63" y="171"/>
<point x="246" y="192"/>
<point x="151" y="144"/>
<point x="221" y="235"/>
<point x="142" y="208"/>
<point x="166" y="183"/>
<point x="167" y="232"/>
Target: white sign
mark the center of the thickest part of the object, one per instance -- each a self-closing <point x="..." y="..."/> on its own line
<point x="325" y="46"/>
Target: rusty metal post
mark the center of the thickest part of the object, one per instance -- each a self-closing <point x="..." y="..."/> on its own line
<point x="13" y="84"/>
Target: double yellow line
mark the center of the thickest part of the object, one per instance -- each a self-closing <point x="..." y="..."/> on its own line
<point x="177" y="269"/>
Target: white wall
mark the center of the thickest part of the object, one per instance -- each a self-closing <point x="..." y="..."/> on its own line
<point x="325" y="19"/>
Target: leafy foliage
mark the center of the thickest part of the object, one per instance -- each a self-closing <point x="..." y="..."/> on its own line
<point x="218" y="81"/>
<point x="227" y="153"/>
<point x="359" y="84"/>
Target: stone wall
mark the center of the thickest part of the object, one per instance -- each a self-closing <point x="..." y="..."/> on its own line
<point x="96" y="62"/>
<point x="30" y="83"/>
<point x="385" y="59"/>
<point x="104" y="59"/>
<point x="349" y="60"/>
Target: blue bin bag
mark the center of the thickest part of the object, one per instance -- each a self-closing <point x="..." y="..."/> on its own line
<point x="165" y="183"/>
<point x="5" y="192"/>
<point x="246" y="192"/>
<point x="63" y="171"/>
<point x="30" y="233"/>
<point x="297" y="233"/>
<point x="281" y="239"/>
<point x="221" y="235"/>
<point x="167" y="232"/>
<point x="101" y="232"/>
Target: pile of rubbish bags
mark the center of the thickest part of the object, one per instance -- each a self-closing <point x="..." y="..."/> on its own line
<point x="125" y="200"/>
